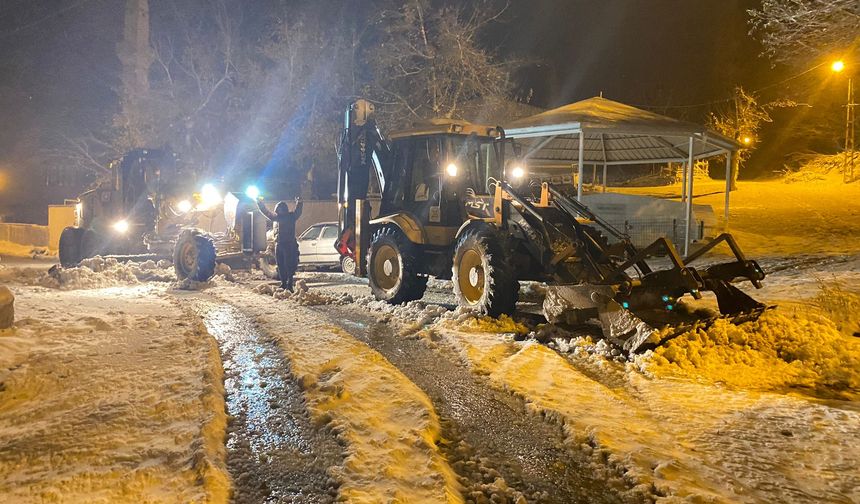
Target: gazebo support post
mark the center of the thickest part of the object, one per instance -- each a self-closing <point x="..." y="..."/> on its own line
<point x="604" y="176"/>
<point x="728" y="187"/>
<point x="689" y="210"/>
<point x="581" y="162"/>
<point x="683" y="182"/>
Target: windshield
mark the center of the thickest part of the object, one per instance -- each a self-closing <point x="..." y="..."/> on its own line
<point x="476" y="158"/>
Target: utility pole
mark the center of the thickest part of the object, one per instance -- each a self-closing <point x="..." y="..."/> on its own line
<point x="848" y="160"/>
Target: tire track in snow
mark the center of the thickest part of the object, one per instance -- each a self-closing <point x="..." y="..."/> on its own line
<point x="275" y="454"/>
<point x="499" y="450"/>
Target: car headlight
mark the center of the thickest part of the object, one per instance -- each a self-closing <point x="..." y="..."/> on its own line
<point x="451" y="170"/>
<point x="184" y="206"/>
<point x="120" y="226"/>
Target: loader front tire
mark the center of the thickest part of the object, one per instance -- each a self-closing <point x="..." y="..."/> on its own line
<point x="71" y="247"/>
<point x="482" y="277"/>
<point x="194" y="256"/>
<point x="392" y="266"/>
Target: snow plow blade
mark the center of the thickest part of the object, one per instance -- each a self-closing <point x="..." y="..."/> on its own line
<point x="631" y="312"/>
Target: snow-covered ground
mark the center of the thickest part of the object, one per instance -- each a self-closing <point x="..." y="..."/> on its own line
<point x="774" y="218"/>
<point x="109" y="395"/>
<point x="110" y="386"/>
<point x="11" y="249"/>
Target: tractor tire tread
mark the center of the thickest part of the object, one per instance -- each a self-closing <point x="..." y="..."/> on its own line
<point x="412" y="285"/>
<point x="206" y="256"/>
<point x="504" y="289"/>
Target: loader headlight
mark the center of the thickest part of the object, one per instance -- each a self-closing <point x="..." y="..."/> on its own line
<point x="451" y="170"/>
<point x="184" y="206"/>
<point x="518" y="172"/>
<point x="209" y="197"/>
<point x="252" y="192"/>
<point x="120" y="226"/>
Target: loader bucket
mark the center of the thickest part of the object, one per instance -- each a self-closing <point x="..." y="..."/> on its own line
<point x="578" y="304"/>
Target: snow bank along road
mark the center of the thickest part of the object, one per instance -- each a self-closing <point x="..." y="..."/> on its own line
<point x="109" y="395"/>
<point x="333" y="396"/>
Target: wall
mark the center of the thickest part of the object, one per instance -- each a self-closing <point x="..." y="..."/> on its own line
<point x="24" y="234"/>
<point x="59" y="218"/>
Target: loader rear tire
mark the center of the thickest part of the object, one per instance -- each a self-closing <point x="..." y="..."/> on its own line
<point x="482" y="277"/>
<point x="392" y="266"/>
<point x="194" y="256"/>
<point x="71" y="247"/>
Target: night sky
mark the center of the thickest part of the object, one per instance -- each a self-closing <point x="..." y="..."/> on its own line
<point x="58" y="68"/>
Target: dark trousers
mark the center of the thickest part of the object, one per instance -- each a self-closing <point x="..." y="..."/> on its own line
<point x="287" y="255"/>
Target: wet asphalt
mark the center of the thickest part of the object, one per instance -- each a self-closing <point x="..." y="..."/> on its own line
<point x="488" y="433"/>
<point x="274" y="452"/>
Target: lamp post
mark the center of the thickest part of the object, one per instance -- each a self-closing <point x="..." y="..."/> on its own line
<point x="848" y="161"/>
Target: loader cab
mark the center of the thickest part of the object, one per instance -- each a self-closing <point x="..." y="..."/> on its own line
<point x="434" y="173"/>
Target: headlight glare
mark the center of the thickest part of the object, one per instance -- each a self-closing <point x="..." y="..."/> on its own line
<point x="184" y="206"/>
<point x="120" y="226"/>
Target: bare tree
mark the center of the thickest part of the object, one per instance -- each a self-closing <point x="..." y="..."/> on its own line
<point x="741" y="120"/>
<point x="800" y="31"/>
<point x="428" y="62"/>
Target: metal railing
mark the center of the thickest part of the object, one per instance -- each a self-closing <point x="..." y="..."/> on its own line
<point x="644" y="231"/>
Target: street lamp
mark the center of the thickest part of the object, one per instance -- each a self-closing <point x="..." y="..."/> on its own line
<point x="847" y="169"/>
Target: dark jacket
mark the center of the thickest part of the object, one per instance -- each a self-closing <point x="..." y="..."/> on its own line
<point x="285" y="223"/>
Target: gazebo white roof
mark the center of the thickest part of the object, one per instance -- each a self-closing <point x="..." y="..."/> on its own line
<point x="614" y="134"/>
<point x="603" y="132"/>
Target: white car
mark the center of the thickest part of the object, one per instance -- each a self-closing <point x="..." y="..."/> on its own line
<point x="316" y="249"/>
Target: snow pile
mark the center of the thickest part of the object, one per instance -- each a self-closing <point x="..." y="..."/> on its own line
<point x="8" y="248"/>
<point x="439" y="284"/>
<point x="302" y="295"/>
<point x="816" y="168"/>
<point x="97" y="273"/>
<point x="467" y="320"/>
<point x="416" y="313"/>
<point x="188" y="284"/>
<point x="93" y="273"/>
<point x="775" y="352"/>
<point x="224" y="271"/>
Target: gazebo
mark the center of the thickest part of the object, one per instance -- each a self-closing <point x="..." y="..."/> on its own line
<point x="606" y="133"/>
